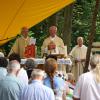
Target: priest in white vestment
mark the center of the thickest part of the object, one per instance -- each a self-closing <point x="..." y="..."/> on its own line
<point x="78" y="55"/>
<point x="21" y="43"/>
<point x="53" y="45"/>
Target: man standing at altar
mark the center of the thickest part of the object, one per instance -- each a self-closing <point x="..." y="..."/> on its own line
<point x="52" y="44"/>
<point x="21" y="43"/>
<point x="78" y="55"/>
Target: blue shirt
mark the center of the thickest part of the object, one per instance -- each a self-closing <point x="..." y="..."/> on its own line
<point x="58" y="82"/>
<point x="59" y="85"/>
<point x="10" y="88"/>
<point x="3" y="72"/>
<point x="37" y="91"/>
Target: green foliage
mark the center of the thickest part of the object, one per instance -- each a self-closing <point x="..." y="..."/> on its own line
<point x="82" y="17"/>
<point x="40" y="33"/>
<point x="81" y="24"/>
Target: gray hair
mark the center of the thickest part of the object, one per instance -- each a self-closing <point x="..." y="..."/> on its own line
<point x="37" y="72"/>
<point x="78" y="38"/>
<point x="95" y="59"/>
<point x="14" y="64"/>
<point x="70" y="76"/>
<point x="1" y="54"/>
<point x="51" y="27"/>
<point x="30" y="63"/>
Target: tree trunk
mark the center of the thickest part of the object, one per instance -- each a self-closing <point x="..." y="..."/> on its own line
<point x="92" y="34"/>
<point x="67" y="28"/>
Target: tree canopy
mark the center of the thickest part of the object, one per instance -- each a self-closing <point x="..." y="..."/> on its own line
<point x="81" y="19"/>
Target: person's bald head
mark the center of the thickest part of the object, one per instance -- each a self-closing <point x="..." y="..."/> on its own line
<point x="24" y="31"/>
<point x="53" y="31"/>
<point x="80" y="41"/>
<point x="13" y="67"/>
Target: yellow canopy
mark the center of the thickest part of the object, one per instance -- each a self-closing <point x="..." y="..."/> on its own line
<point x="14" y="14"/>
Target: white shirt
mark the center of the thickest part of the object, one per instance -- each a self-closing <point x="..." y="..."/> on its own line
<point x="79" y="52"/>
<point x="22" y="76"/>
<point x="87" y="88"/>
<point x="52" y="38"/>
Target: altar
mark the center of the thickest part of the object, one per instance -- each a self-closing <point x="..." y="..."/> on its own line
<point x="37" y="61"/>
<point x="61" y="63"/>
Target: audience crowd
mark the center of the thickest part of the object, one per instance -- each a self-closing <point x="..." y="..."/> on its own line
<point x="44" y="82"/>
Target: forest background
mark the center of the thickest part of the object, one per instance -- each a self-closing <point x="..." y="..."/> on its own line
<point x="72" y="21"/>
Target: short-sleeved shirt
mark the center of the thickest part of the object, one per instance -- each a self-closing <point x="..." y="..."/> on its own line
<point x="37" y="91"/>
<point x="10" y="88"/>
<point x="87" y="88"/>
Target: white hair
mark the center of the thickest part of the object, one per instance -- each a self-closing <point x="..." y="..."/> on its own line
<point x="37" y="72"/>
<point x="96" y="61"/>
<point x="1" y="54"/>
<point x="14" y="64"/>
<point x="70" y="76"/>
<point x="51" y="27"/>
<point x="79" y="38"/>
